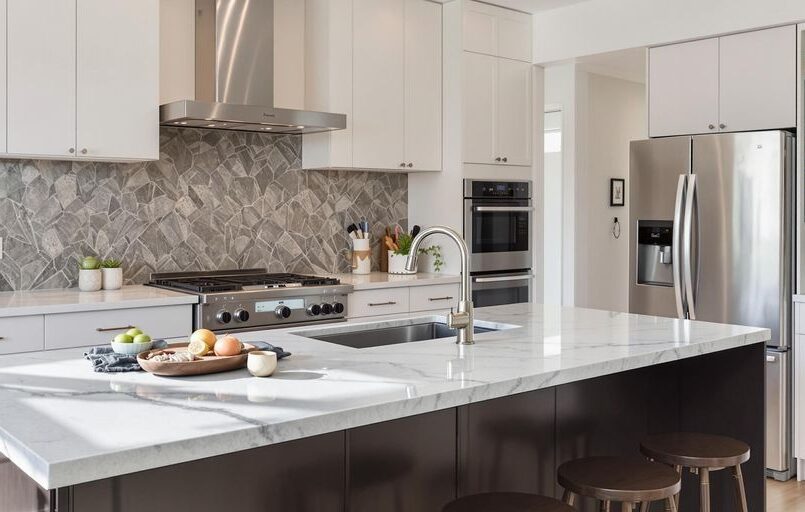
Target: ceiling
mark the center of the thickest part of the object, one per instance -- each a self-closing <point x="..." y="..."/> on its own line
<point x="625" y="64"/>
<point x="533" y="6"/>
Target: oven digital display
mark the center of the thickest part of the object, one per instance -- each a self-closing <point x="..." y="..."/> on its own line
<point x="271" y="305"/>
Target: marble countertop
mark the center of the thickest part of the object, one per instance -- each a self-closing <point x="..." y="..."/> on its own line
<point x="386" y="280"/>
<point x="69" y="300"/>
<point x="63" y="424"/>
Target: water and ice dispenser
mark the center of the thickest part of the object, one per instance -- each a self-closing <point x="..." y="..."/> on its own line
<point x="654" y="249"/>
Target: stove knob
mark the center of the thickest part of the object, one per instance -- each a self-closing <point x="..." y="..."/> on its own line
<point x="314" y="310"/>
<point x="223" y="317"/>
<point x="241" y="315"/>
<point x="283" y="311"/>
<point x="326" y="309"/>
<point x="338" y="308"/>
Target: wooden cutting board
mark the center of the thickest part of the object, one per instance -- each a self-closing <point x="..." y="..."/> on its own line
<point x="201" y="366"/>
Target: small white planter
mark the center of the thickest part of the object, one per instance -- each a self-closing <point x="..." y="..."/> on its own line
<point x="361" y="256"/>
<point x="112" y="278"/>
<point x="397" y="264"/>
<point x="90" y="280"/>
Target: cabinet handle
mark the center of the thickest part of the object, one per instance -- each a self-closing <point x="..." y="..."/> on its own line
<point x="711" y="126"/>
<point x="71" y="150"/>
<point x="505" y="159"/>
<point x="107" y="329"/>
<point x="497" y="159"/>
<point x="402" y="164"/>
<point x="722" y="126"/>
<point x="389" y="303"/>
<point x="410" y="164"/>
<point x="84" y="151"/>
<point x="432" y="299"/>
<point x="1" y="338"/>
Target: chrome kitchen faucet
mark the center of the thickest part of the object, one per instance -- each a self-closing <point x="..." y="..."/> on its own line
<point x="462" y="319"/>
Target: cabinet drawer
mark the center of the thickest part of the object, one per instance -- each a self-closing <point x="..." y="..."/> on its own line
<point x="387" y="301"/>
<point x="21" y="334"/>
<point x="431" y="298"/>
<point x="98" y="327"/>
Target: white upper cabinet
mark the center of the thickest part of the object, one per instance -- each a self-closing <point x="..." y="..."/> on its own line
<point x="117" y="63"/>
<point x="740" y="82"/>
<point x="497" y="31"/>
<point x="683" y="85"/>
<point x="41" y="78"/>
<point x="423" y="85"/>
<point x="72" y="64"/>
<point x="758" y="80"/>
<point x="378" y="83"/>
<point x="388" y="82"/>
<point x="479" y="108"/>
<point x="513" y="112"/>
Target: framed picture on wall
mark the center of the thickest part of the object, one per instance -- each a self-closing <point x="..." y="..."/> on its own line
<point x="617" y="192"/>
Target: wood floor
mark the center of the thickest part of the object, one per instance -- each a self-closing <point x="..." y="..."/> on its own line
<point x="785" y="496"/>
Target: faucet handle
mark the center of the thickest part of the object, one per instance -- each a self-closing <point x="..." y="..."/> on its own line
<point x="458" y="320"/>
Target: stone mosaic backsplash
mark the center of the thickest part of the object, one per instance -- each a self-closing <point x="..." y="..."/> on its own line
<point x="214" y="200"/>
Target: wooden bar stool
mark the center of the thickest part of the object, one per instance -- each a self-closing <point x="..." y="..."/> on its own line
<point x="630" y="481"/>
<point x="701" y="453"/>
<point x="506" y="502"/>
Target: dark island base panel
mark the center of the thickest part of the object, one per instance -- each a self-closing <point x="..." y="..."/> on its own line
<point x="419" y="463"/>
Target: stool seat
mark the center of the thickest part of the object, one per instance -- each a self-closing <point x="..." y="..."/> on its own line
<point x="694" y="450"/>
<point x="506" y="502"/>
<point x="623" y="479"/>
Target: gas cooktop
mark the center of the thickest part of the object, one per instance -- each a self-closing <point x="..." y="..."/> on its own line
<point x="256" y="299"/>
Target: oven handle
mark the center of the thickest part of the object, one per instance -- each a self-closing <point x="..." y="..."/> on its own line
<point x="501" y="279"/>
<point x="503" y="208"/>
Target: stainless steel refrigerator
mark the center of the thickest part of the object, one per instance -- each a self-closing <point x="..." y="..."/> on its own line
<point x="712" y="238"/>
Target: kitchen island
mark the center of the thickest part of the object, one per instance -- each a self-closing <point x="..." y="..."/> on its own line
<point x="396" y="427"/>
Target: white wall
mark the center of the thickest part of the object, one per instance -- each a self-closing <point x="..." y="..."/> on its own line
<point x="615" y="115"/>
<point x="598" y="26"/>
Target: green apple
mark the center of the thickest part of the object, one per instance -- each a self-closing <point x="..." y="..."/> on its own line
<point x="124" y="338"/>
<point x="134" y="332"/>
<point x="142" y="338"/>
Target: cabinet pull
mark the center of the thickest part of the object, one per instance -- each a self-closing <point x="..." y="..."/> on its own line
<point x="432" y="299"/>
<point x="107" y="329"/>
<point x="402" y="164"/>
<point x="1" y="338"/>
<point x="722" y="126"/>
<point x="84" y="151"/>
<point x="497" y="159"/>
<point x="410" y="164"/>
<point x="71" y="150"/>
<point x="711" y="126"/>
<point x="505" y="159"/>
<point x="389" y="303"/>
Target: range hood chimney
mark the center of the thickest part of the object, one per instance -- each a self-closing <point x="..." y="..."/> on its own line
<point x="235" y="75"/>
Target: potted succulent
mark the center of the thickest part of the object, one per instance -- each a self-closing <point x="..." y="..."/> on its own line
<point x="112" y="274"/>
<point x="90" y="278"/>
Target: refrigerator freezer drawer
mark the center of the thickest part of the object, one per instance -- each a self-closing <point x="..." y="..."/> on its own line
<point x="778" y="448"/>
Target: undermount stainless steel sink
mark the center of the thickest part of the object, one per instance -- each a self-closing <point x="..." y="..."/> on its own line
<point x="363" y="337"/>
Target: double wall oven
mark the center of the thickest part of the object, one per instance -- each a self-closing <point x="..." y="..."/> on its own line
<point x="498" y="226"/>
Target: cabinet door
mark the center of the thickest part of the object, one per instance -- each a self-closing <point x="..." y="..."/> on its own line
<point x="41" y="77"/>
<point x="378" y="90"/>
<point x="514" y="35"/>
<point x="479" y="110"/>
<point x="758" y="80"/>
<point x="480" y="28"/>
<point x="118" y="75"/>
<point x="513" y="124"/>
<point x="683" y="88"/>
<point x="423" y="85"/>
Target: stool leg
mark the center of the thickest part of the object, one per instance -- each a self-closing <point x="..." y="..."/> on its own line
<point x="569" y="498"/>
<point x="605" y="506"/>
<point x="645" y="506"/>
<point x="740" y="492"/>
<point x="627" y="507"/>
<point x="704" y="485"/>
<point x="671" y="502"/>
<point x="676" y="497"/>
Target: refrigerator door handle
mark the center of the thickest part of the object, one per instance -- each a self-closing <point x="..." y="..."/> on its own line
<point x="687" y="252"/>
<point x="676" y="244"/>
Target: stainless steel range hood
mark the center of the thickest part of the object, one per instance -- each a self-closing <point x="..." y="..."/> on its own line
<point x="235" y="75"/>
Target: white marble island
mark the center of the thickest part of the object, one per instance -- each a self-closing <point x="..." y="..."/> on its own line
<point x="63" y="425"/>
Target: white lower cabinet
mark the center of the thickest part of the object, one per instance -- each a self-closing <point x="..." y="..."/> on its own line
<point x="66" y="330"/>
<point x="22" y="334"/>
<point x="437" y="298"/>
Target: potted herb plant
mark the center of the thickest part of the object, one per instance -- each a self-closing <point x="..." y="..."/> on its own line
<point x="400" y="247"/>
<point x="90" y="278"/>
<point x="112" y="274"/>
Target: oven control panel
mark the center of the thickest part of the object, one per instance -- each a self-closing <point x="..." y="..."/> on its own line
<point x="234" y="312"/>
<point x="497" y="189"/>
